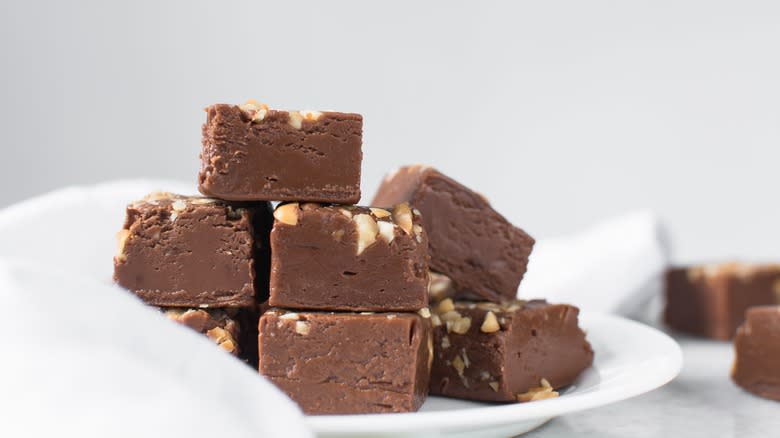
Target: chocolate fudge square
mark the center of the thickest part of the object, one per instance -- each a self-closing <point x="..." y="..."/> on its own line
<point x="253" y="153"/>
<point x="516" y="351"/>
<point x="219" y="325"/>
<point x="711" y="300"/>
<point x="483" y="254"/>
<point x="351" y="258"/>
<point x="233" y="329"/>
<point x="757" y="345"/>
<point x="185" y="251"/>
<point x="347" y="363"/>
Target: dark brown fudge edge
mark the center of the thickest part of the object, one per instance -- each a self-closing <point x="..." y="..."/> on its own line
<point x="304" y="393"/>
<point x="473" y="282"/>
<point x="474" y="352"/>
<point x="222" y="118"/>
<point x="254" y="220"/>
<point x="756" y="367"/>
<point x="711" y="300"/>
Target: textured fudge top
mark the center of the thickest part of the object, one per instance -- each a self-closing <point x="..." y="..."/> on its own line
<point x="483" y="253"/>
<point x="251" y="153"/>
<point x="728" y="269"/>
<point x="176" y="204"/>
<point x="171" y="206"/>
<point x="259" y="113"/>
<point x="458" y="316"/>
<point x="371" y="223"/>
<point x="217" y="324"/>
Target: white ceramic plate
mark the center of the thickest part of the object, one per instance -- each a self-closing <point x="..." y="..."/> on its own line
<point x="631" y="359"/>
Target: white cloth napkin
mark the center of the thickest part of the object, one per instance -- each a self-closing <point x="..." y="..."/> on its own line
<point x="615" y="266"/>
<point x="82" y="357"/>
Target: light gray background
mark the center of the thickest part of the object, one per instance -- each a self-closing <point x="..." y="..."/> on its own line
<point x="561" y="112"/>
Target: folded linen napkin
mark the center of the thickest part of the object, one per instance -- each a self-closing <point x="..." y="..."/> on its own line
<point x="615" y="266"/>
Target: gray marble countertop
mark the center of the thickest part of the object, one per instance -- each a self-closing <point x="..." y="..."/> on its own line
<point x="701" y="402"/>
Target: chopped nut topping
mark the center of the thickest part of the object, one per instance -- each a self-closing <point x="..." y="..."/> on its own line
<point x="542" y="392"/>
<point x="175" y="314"/>
<point x="445" y="342"/>
<point x="158" y="196"/>
<point x="346" y="212"/>
<point x="459" y="326"/>
<point x="402" y="215"/>
<point x="458" y="364"/>
<point x="490" y="324"/>
<point x="776" y="290"/>
<point x="425" y="312"/>
<point x="222" y="338"/>
<point x="514" y="307"/>
<point x="302" y="328"/>
<point x="380" y="212"/>
<point x="435" y="320"/>
<point x="202" y="201"/>
<point x="367" y="230"/>
<point x="291" y="316"/>
<point x="257" y="111"/>
<point x="438" y="284"/>
<point x="494" y="385"/>
<point x="452" y="315"/>
<point x="295" y="119"/>
<point x="416" y="212"/>
<point x="466" y="360"/>
<point x="287" y="213"/>
<point x="489" y="306"/>
<point x="386" y="231"/>
<point x="179" y="205"/>
<point x="446" y="306"/>
<point x="418" y="233"/>
<point x="121" y="240"/>
<point x="310" y="115"/>
<point x="338" y="234"/>
<point x="234" y="213"/>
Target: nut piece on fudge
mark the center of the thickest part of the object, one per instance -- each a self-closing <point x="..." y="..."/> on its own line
<point x="348" y="363"/>
<point x="472" y="244"/>
<point x="253" y="153"/>
<point x="348" y="258"/>
<point x="218" y="325"/>
<point x="757" y="345"/>
<point x="517" y="351"/>
<point x="233" y="329"/>
<point x="711" y="300"/>
<point x="187" y="251"/>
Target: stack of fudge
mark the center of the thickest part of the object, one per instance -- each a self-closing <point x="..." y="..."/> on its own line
<point x="348" y="309"/>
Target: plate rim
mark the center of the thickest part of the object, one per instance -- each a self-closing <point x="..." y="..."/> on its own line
<point x="667" y="362"/>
